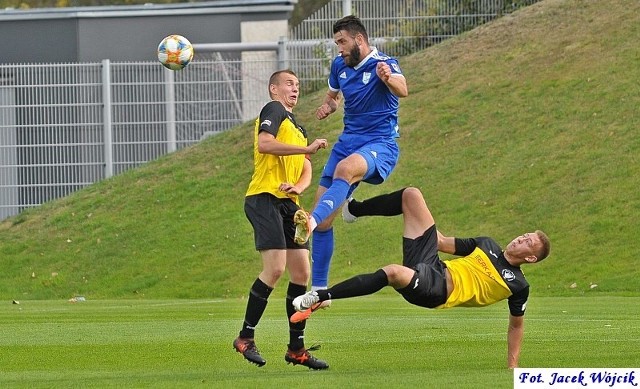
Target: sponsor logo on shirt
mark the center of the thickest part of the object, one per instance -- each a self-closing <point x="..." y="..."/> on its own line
<point x="484" y="266"/>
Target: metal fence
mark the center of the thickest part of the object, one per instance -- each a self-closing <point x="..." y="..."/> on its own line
<point x="66" y="126"/>
<point x="400" y="27"/>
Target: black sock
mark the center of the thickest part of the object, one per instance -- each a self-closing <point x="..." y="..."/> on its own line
<point x="256" y="305"/>
<point x="389" y="204"/>
<point x="296" y="330"/>
<point x="360" y="285"/>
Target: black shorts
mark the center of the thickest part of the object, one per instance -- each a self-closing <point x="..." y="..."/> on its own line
<point x="428" y="287"/>
<point x="272" y="221"/>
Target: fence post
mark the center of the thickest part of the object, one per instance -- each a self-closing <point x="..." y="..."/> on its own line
<point x="170" y="108"/>
<point x="281" y="52"/>
<point x="106" y="113"/>
<point x="346" y="7"/>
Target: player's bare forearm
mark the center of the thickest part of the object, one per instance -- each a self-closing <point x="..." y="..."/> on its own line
<point x="329" y="105"/>
<point x="268" y="144"/>
<point x="303" y="182"/>
<point x="305" y="177"/>
<point x="515" y="334"/>
<point x="397" y="84"/>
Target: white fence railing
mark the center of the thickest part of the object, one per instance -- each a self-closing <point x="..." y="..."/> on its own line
<point x="66" y="126"/>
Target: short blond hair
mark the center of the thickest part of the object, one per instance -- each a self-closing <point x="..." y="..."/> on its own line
<point x="545" y="245"/>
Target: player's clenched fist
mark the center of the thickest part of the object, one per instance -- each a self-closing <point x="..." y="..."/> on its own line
<point x="317" y="145"/>
<point x="326" y="109"/>
<point x="383" y="71"/>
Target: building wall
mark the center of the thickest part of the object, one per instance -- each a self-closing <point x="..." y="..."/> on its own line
<point x="39" y="41"/>
<point x="259" y="31"/>
<point x="132" y="33"/>
<point x="136" y="39"/>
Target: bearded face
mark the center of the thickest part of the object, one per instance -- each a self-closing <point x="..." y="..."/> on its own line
<point x="353" y="59"/>
<point x="348" y="48"/>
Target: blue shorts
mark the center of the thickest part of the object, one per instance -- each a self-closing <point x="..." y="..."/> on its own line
<point x="381" y="156"/>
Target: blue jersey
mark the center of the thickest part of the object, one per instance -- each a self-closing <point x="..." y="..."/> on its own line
<point x="370" y="109"/>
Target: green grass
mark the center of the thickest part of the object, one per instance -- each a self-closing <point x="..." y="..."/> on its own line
<point x="528" y="122"/>
<point x="187" y="343"/>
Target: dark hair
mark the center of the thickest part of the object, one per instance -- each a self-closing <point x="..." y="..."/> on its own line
<point x="546" y="245"/>
<point x="352" y="25"/>
<point x="273" y="80"/>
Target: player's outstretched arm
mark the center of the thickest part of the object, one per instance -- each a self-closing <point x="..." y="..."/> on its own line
<point x="514" y="340"/>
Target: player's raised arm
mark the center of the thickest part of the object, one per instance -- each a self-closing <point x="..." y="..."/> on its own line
<point x="396" y="83"/>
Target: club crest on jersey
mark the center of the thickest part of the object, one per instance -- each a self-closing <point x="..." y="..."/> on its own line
<point x="366" y="77"/>
<point x="396" y="68"/>
<point x="508" y="275"/>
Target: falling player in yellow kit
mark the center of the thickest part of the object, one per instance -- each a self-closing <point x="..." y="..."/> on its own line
<point x="484" y="274"/>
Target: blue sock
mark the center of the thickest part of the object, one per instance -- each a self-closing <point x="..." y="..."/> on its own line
<point x="321" y="253"/>
<point x="331" y="199"/>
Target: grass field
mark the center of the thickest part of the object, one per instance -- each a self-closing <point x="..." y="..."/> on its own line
<point x="187" y="343"/>
<point x="530" y="121"/>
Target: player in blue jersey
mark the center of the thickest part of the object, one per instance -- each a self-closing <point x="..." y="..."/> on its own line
<point x="371" y="83"/>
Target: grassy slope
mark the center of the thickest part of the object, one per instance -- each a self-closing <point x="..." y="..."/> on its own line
<point x="528" y="122"/>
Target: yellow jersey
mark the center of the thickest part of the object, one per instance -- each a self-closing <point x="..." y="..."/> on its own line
<point x="483" y="276"/>
<point x="272" y="170"/>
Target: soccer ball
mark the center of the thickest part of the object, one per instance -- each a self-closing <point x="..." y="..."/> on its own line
<point x="175" y="52"/>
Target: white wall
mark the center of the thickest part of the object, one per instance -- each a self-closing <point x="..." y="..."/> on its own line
<point x="259" y="65"/>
